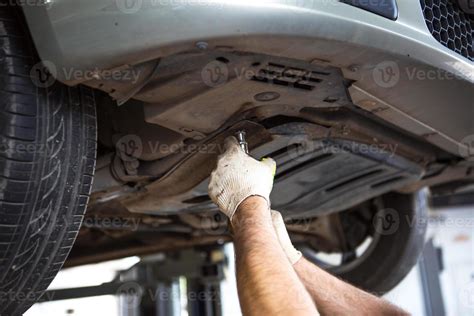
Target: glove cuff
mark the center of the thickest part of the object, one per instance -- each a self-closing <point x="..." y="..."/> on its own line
<point x="236" y="190"/>
<point x="232" y="213"/>
<point x="292" y="254"/>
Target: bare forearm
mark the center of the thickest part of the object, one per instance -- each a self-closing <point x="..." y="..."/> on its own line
<point x="335" y="297"/>
<point x="266" y="281"/>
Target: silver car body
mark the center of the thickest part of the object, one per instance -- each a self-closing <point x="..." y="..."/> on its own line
<point x="430" y="94"/>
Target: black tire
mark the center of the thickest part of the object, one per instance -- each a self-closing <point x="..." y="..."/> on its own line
<point x="395" y="249"/>
<point x="47" y="161"/>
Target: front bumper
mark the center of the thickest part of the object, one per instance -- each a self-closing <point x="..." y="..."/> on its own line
<point x="106" y="34"/>
<point x="95" y="35"/>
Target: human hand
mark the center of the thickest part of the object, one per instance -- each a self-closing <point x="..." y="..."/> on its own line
<point x="239" y="176"/>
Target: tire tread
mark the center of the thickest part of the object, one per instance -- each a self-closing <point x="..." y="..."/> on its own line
<point x="45" y="191"/>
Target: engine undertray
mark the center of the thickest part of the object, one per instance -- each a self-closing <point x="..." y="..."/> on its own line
<point x="286" y="106"/>
<point x="316" y="174"/>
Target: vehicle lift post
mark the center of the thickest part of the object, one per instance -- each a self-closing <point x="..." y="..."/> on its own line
<point x="153" y="286"/>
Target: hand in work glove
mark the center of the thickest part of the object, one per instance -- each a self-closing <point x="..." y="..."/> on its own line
<point x="292" y="254"/>
<point x="239" y="176"/>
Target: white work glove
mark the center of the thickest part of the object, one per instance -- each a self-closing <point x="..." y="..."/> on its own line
<point x="292" y="254"/>
<point x="239" y="176"/>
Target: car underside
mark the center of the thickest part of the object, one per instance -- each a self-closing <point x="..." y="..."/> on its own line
<point x="362" y="110"/>
<point x="157" y="151"/>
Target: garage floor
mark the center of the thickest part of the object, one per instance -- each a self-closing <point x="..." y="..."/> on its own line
<point x="451" y="230"/>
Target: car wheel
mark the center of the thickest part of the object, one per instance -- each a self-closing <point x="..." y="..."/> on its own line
<point x="383" y="240"/>
<point x="47" y="161"/>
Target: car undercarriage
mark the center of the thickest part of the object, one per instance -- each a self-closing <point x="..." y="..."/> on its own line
<point x="157" y="151"/>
